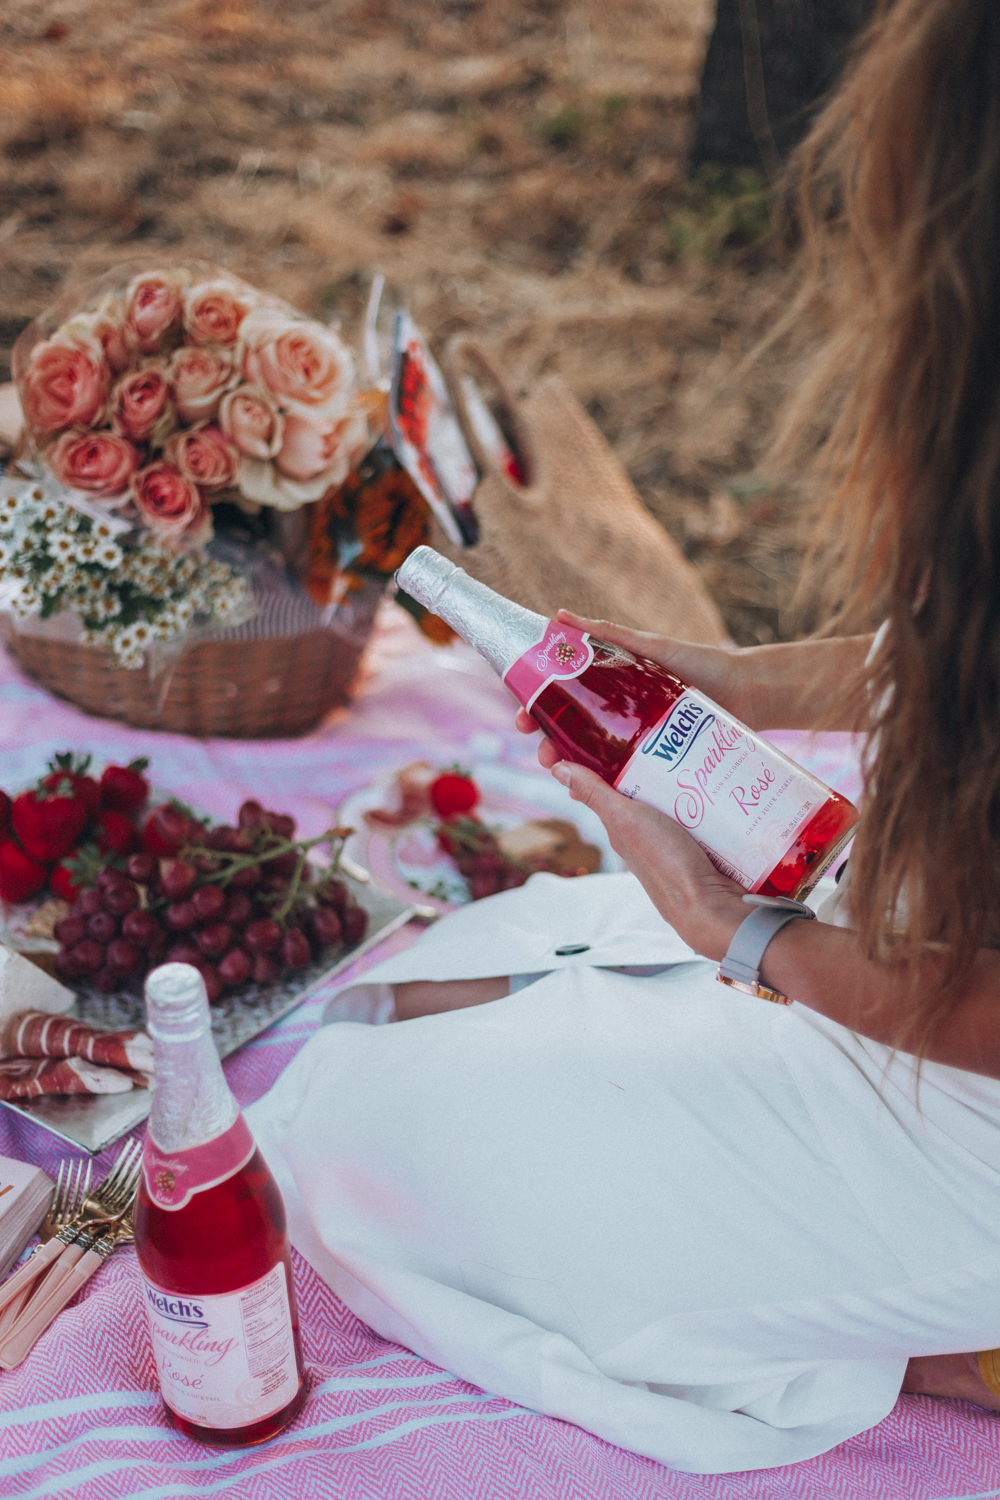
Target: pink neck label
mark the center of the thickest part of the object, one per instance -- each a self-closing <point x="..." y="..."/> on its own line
<point x="563" y="652"/>
<point x="173" y="1177"/>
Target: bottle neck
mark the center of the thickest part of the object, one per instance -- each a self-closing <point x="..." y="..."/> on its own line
<point x="192" y="1102"/>
<point x="500" y="630"/>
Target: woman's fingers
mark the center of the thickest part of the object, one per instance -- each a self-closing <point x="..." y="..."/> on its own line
<point x="524" y="722"/>
<point x="701" y="904"/>
<point x="642" y="642"/>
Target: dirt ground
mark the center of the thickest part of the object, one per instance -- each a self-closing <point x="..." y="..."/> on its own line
<point x="513" y="166"/>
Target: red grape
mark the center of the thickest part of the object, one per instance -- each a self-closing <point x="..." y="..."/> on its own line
<point x="120" y="899"/>
<point x="166" y="830"/>
<point x="186" y="951"/>
<point x="123" y="957"/>
<point x="294" y="950"/>
<point x="214" y="983"/>
<point x="252" y="815"/>
<point x="235" y="967"/>
<point x="326" y="926"/>
<point x="88" y="956"/>
<point x="87" y="903"/>
<point x="355" y="921"/>
<point x="66" y="966"/>
<point x="177" y="879"/>
<point x="143" y="868"/>
<point x="70" y="930"/>
<point x="208" y="901"/>
<point x="230" y="840"/>
<point x="262" y="936"/>
<point x="108" y="877"/>
<point x="215" y="939"/>
<point x="283" y="864"/>
<point x="102" y="926"/>
<point x="238" y="909"/>
<point x="156" y="947"/>
<point x="181" y="916"/>
<point x="265" y="969"/>
<point x="273" y="883"/>
<point x="107" y="981"/>
<point x="281" y="825"/>
<point x="334" y="893"/>
<point x="141" y="927"/>
<point x="246" y="880"/>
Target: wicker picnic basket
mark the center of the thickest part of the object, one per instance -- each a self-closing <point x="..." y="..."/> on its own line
<point x="274" y="677"/>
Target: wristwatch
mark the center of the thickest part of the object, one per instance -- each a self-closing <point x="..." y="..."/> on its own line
<point x="740" y="968"/>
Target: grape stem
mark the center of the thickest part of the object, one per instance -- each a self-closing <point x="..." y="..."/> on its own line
<point x="234" y="863"/>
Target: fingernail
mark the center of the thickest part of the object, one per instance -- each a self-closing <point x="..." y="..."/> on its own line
<point x="561" y="772"/>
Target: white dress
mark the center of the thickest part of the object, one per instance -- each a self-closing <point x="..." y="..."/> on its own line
<point x="707" y="1228"/>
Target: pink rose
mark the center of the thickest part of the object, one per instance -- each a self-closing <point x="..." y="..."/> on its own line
<point x="199" y="377"/>
<point x="304" y="365"/>
<point x="168" y="503"/>
<point x="139" y="401"/>
<point x="250" y="418"/>
<point x="66" y="385"/>
<point x="205" y="456"/>
<point x="310" y="446"/>
<point x="99" y="463"/>
<point x="104" y="327"/>
<point x="214" y="310"/>
<point x="152" y="308"/>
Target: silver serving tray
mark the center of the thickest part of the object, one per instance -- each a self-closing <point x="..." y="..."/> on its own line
<point x="93" y="1121"/>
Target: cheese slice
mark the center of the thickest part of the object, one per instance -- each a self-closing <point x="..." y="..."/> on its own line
<point x="24" y="986"/>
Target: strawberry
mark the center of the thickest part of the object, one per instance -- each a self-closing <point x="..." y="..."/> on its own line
<point x="167" y="830"/>
<point x="453" y="795"/>
<point x="5" y="806"/>
<point x="124" y="789"/>
<point x="49" y="822"/>
<point x="20" y="875"/>
<point x="63" y="884"/>
<point x="67" y="767"/>
<point x="115" y="834"/>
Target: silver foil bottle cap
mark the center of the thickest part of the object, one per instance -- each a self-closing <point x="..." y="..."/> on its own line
<point x="425" y="575"/>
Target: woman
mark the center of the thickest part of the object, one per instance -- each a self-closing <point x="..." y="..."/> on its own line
<point x="722" y="1233"/>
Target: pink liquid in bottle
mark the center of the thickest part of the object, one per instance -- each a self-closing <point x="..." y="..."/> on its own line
<point x="210" y="1239"/>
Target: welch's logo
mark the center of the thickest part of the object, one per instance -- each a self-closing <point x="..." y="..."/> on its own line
<point x="671" y="740"/>
<point x="177" y="1309"/>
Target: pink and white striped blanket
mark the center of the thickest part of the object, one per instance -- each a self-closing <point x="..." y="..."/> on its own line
<point x="82" y="1416"/>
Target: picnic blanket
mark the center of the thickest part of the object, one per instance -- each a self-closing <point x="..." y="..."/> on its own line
<point x="82" y="1416"/>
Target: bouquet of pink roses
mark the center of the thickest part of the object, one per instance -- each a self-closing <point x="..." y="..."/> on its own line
<point x="184" y="387"/>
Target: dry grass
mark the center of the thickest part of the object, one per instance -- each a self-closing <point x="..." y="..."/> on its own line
<point x="509" y="166"/>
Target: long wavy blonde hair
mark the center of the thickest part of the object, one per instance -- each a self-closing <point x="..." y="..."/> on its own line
<point x="897" y="190"/>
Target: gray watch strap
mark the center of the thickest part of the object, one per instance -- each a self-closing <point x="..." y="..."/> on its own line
<point x="746" y="951"/>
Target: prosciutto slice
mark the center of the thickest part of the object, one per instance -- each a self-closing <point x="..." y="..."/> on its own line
<point x="35" y="1033"/>
<point x="28" y="1077"/>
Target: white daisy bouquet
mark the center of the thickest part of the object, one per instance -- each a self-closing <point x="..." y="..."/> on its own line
<point x="129" y="591"/>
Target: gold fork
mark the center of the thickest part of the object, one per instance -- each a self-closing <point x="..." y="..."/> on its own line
<point x="58" y="1289"/>
<point x="73" y="1206"/>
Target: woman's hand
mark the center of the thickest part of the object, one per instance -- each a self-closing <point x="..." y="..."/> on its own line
<point x="703" y="906"/>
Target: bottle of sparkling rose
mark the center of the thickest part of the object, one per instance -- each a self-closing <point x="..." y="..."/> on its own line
<point x="759" y="817"/>
<point x="210" y="1238"/>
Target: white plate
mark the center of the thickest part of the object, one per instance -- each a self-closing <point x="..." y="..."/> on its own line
<point x="407" y="862"/>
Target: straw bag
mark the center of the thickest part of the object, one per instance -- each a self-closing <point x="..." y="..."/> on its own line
<point x="576" y="535"/>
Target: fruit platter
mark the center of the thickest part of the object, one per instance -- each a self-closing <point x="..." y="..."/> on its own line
<point x="101" y="879"/>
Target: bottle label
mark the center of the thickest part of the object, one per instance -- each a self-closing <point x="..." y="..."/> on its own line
<point x="225" y="1361"/>
<point x="742" y="800"/>
<point x="562" y="653"/>
<point x="173" y="1177"/>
